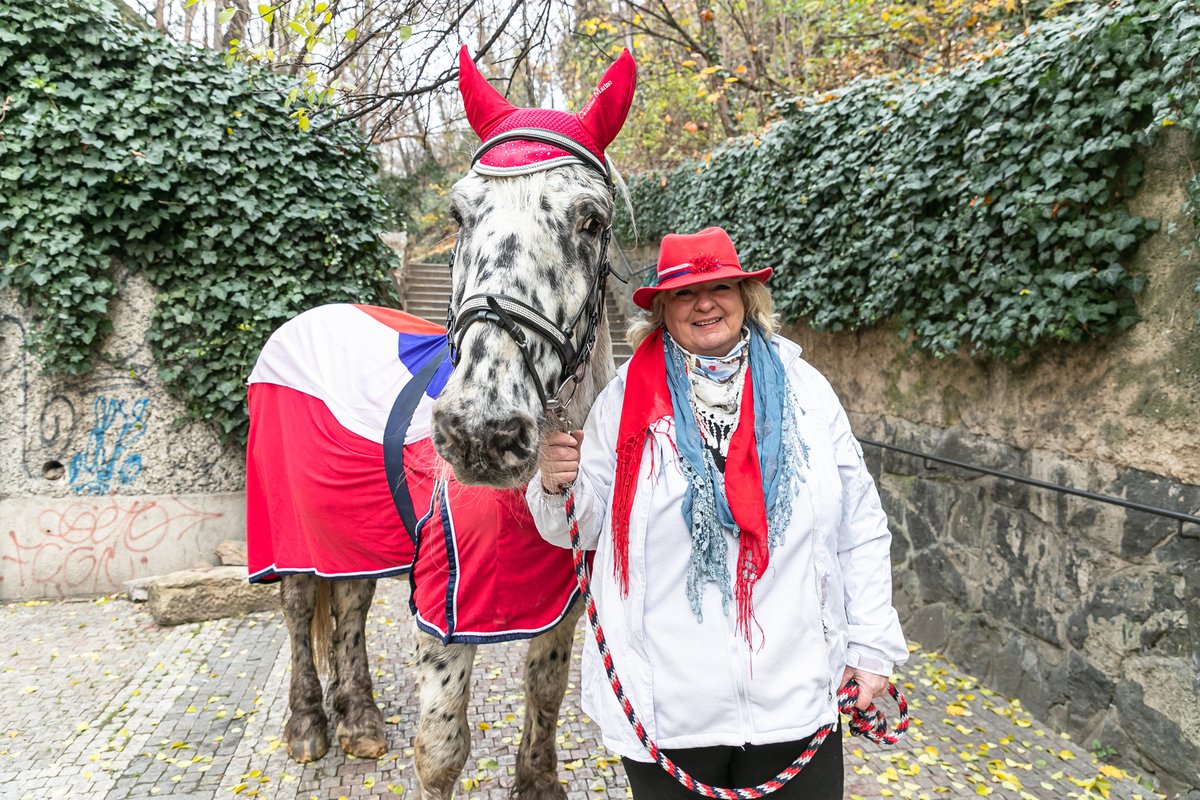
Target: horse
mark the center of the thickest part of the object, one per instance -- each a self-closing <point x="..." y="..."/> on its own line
<point x="527" y="347"/>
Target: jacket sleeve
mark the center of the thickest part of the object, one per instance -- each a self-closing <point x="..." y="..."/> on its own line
<point x="593" y="485"/>
<point x="875" y="642"/>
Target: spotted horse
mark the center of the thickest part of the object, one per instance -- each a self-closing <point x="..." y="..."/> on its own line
<point x="381" y="444"/>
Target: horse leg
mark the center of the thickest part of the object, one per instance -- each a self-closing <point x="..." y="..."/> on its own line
<point x="305" y="731"/>
<point x="547" y="667"/>
<point x="359" y="720"/>
<point x="443" y="738"/>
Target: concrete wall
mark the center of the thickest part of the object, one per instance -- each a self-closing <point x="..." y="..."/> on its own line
<point x="1089" y="613"/>
<point x="100" y="480"/>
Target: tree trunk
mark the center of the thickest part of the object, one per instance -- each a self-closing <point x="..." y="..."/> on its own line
<point x="189" y="19"/>
<point x="236" y="31"/>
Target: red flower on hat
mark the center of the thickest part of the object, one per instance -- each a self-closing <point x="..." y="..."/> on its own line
<point x="705" y="263"/>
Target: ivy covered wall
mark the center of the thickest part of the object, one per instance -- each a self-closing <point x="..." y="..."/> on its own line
<point x="120" y="150"/>
<point x="985" y="209"/>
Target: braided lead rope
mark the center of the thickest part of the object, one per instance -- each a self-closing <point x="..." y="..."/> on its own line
<point x="869" y="723"/>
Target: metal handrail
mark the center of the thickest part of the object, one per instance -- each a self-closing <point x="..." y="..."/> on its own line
<point x="1180" y="516"/>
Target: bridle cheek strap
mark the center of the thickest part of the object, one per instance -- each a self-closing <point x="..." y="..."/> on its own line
<point x="511" y="314"/>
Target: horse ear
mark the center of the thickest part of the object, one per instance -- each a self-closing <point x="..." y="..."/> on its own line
<point x="605" y="112"/>
<point x="485" y="106"/>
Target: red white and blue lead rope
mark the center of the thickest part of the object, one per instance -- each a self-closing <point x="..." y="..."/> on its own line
<point x="869" y="723"/>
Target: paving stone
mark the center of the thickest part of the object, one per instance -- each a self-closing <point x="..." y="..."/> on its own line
<point x="198" y="711"/>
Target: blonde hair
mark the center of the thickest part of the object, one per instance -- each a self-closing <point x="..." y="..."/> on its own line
<point x="756" y="297"/>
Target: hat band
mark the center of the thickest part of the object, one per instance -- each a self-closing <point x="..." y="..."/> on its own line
<point x="687" y="268"/>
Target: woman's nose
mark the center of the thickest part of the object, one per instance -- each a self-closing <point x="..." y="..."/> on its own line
<point x="703" y="299"/>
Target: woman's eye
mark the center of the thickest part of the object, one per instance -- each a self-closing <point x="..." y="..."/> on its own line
<point x="683" y="293"/>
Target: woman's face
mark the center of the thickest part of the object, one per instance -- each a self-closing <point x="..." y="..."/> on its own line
<point x="705" y="318"/>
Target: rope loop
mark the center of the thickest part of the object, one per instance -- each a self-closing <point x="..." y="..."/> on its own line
<point x="869" y="723"/>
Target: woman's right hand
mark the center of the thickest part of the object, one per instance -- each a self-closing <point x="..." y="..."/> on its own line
<point x="559" y="459"/>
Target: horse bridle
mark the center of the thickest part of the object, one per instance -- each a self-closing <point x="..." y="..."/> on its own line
<point x="511" y="313"/>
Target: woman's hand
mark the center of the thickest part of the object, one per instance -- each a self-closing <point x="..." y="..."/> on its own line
<point x="559" y="459"/>
<point x="870" y="686"/>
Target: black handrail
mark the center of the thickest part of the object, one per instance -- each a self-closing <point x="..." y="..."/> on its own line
<point x="1103" y="498"/>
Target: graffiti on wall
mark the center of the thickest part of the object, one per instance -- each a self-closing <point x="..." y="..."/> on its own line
<point x="108" y="460"/>
<point x="93" y="545"/>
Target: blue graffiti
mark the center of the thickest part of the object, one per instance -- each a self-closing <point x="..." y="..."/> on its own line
<point x="106" y="461"/>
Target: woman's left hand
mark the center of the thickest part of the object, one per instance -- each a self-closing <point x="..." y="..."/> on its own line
<point x="870" y="685"/>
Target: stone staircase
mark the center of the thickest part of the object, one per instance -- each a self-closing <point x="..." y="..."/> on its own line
<point x="427" y="295"/>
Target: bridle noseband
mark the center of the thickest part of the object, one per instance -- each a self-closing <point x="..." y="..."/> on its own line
<point x="514" y="315"/>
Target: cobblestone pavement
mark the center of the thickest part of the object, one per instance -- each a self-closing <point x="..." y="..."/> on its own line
<point x="100" y="702"/>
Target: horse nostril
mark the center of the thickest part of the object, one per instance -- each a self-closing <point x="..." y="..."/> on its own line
<point x="510" y="439"/>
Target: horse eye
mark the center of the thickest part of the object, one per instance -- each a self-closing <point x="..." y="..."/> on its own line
<point x="592" y="226"/>
<point x="458" y="220"/>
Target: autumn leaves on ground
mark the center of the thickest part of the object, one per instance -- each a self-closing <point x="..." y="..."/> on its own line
<point x="966" y="740"/>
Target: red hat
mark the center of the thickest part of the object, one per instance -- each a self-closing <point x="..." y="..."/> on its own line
<point x="594" y="127"/>
<point x="687" y="258"/>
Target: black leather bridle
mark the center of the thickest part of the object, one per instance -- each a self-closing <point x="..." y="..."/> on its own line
<point x="573" y="343"/>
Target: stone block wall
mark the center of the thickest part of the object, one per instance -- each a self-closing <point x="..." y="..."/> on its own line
<point x="102" y="480"/>
<point x="1085" y="611"/>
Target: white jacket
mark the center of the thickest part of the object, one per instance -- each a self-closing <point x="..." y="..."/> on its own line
<point x="824" y="602"/>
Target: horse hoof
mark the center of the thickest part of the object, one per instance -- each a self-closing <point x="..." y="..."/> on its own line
<point x="363" y="745"/>
<point x="539" y="787"/>
<point x="306" y="750"/>
<point x="361" y="734"/>
<point x="306" y="739"/>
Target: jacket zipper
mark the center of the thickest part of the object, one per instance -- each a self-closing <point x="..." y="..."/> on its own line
<point x="741" y="658"/>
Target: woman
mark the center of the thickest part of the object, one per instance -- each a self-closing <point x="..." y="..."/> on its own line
<point x="742" y="571"/>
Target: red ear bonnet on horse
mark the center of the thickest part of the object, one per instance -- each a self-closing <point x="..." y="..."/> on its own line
<point x="594" y="127"/>
<point x="484" y="105"/>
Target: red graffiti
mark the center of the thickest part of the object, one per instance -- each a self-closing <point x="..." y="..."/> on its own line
<point x="95" y="545"/>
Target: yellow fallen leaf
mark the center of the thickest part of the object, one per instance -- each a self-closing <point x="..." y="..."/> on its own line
<point x="1108" y="770"/>
<point x="955" y="710"/>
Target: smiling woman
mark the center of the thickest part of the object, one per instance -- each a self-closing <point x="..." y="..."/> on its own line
<point x="717" y="438"/>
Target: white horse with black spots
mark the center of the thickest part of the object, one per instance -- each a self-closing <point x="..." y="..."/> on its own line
<point x="530" y="342"/>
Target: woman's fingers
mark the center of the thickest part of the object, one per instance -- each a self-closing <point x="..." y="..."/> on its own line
<point x="559" y="459"/>
<point x="870" y="686"/>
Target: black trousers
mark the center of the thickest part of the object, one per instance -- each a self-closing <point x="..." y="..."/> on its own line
<point x="740" y="767"/>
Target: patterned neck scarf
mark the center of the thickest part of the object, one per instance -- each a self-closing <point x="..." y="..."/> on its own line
<point x="752" y="500"/>
<point x="720" y="369"/>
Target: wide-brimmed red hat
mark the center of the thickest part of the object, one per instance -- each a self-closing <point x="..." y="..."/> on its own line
<point x="687" y="258"/>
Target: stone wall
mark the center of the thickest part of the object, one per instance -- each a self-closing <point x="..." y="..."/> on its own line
<point x="101" y="479"/>
<point x="1087" y="612"/>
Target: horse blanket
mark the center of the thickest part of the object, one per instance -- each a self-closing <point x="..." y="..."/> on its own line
<point x="342" y="480"/>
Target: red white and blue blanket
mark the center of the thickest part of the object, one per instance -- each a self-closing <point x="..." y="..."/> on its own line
<point x="342" y="480"/>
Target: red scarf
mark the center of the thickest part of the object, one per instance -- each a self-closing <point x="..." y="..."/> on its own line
<point x="647" y="400"/>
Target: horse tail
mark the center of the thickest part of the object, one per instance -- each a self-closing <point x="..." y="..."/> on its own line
<point x="322" y="629"/>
